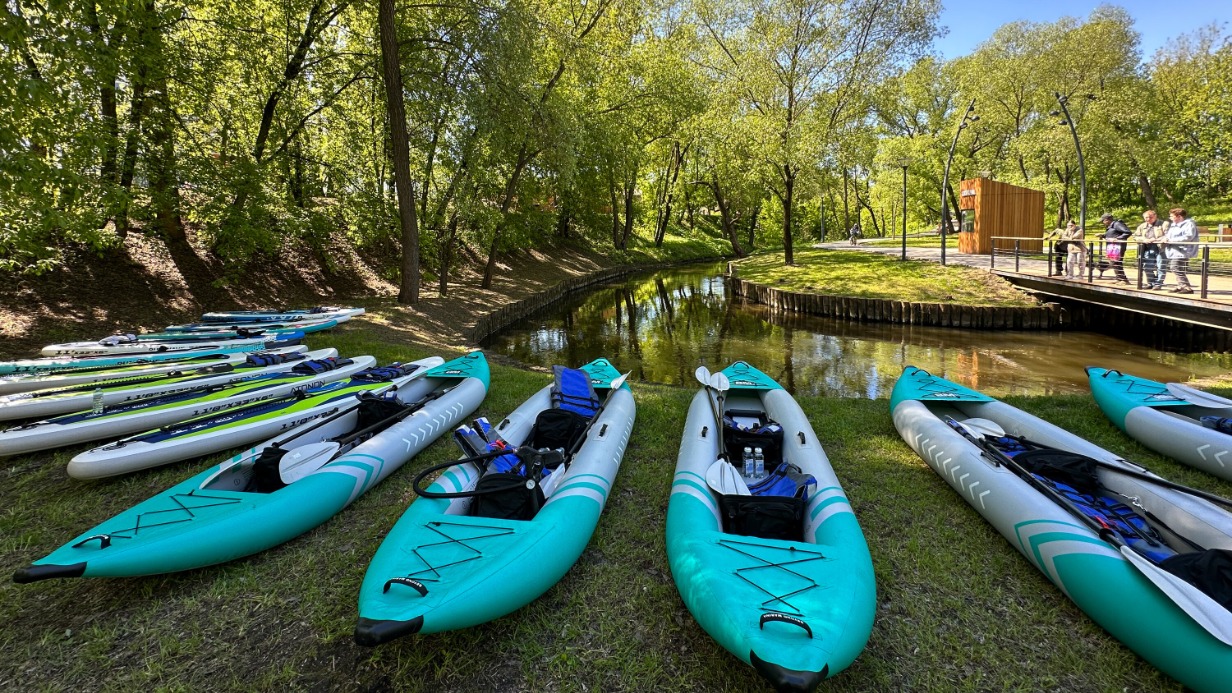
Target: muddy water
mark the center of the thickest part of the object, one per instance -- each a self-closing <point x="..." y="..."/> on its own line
<point x="662" y="326"/>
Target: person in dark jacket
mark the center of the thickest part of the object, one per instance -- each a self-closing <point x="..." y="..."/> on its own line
<point x="1115" y="234"/>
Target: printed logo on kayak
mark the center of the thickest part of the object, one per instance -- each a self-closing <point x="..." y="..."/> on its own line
<point x="304" y="420"/>
<point x="943" y="395"/>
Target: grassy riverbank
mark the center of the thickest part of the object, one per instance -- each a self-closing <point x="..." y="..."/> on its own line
<point x="958" y="608"/>
<point x="871" y="275"/>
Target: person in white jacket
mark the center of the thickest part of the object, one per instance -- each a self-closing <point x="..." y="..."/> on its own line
<point x="1182" y="230"/>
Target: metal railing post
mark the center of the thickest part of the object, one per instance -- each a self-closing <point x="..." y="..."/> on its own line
<point x="992" y="256"/>
<point x="1090" y="262"/>
<point x="1206" y="264"/>
<point x="1139" y="260"/>
<point x="1017" y="245"/>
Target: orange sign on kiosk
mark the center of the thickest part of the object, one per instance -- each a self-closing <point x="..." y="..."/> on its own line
<point x="991" y="208"/>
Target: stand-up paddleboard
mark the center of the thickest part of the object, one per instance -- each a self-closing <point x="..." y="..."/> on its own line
<point x="252" y="503"/>
<point x="208" y="332"/>
<point x="1137" y="553"/>
<point x="133" y="417"/>
<point x="290" y="323"/>
<point x="132" y="344"/>
<point x="1190" y="426"/>
<point x="274" y="315"/>
<point x="110" y="392"/>
<point x="142" y="368"/>
<point x="494" y="543"/>
<point x="57" y="364"/>
<point x="231" y="428"/>
<point x="774" y="567"/>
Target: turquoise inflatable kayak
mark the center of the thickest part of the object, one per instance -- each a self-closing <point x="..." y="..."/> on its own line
<point x="455" y="562"/>
<point x="256" y="500"/>
<point x="1188" y="425"/>
<point x="794" y="597"/>
<point x="1138" y="554"/>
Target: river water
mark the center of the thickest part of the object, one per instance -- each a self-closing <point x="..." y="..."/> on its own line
<point x="662" y="325"/>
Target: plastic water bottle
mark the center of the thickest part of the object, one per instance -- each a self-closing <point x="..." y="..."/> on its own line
<point x="748" y="462"/>
<point x="97" y="401"/>
<point x="759" y="463"/>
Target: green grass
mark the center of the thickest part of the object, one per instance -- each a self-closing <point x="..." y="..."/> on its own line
<point x="958" y="608"/>
<point x="872" y="275"/>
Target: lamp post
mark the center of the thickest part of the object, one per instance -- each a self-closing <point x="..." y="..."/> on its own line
<point x="1082" y="169"/>
<point x="904" y="162"/>
<point x="968" y="118"/>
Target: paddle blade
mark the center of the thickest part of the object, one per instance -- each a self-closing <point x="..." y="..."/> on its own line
<point x="979" y="428"/>
<point x="615" y="385"/>
<point x="703" y="375"/>
<point x="1198" y="397"/>
<point x="1205" y="611"/>
<point x="720" y="382"/>
<point x="723" y="479"/>
<point x="306" y="459"/>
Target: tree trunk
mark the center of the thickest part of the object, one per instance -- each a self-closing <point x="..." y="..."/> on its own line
<point x="753" y="226"/>
<point x="1148" y="193"/>
<point x="789" y="186"/>
<point x="611" y="188"/>
<point x="408" y="291"/>
<point x="107" y="74"/>
<point x="630" y="189"/>
<point x="447" y="253"/>
<point x="511" y="186"/>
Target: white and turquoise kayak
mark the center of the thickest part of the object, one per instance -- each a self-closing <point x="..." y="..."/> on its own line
<point x="231" y="428"/>
<point x="794" y="596"/>
<point x="1168" y="420"/>
<point x="442" y="567"/>
<point x="130" y="388"/>
<point x="252" y="503"/>
<point x="17" y="371"/>
<point x="133" y="344"/>
<point x="133" y="417"/>
<point x="1064" y="503"/>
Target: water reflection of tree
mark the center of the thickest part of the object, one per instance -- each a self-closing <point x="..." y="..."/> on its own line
<point x="662" y="326"/>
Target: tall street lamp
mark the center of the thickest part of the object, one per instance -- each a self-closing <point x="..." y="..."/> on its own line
<point x="968" y="118"/>
<point x="1082" y="169"/>
<point x="904" y="162"/>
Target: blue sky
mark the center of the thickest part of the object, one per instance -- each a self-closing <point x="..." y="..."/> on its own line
<point x="972" y="22"/>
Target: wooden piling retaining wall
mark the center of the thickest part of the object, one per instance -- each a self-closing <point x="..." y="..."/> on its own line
<point x="1046" y="317"/>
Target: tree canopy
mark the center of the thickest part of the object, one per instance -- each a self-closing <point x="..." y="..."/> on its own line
<point x="246" y="126"/>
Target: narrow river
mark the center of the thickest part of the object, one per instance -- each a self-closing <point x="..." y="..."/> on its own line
<point x="662" y="325"/>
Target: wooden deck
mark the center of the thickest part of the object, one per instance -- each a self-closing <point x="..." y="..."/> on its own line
<point x="1031" y="273"/>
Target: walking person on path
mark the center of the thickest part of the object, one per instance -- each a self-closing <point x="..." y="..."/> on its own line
<point x="1181" y="230"/>
<point x="1150" y="234"/>
<point x="1116" y="233"/>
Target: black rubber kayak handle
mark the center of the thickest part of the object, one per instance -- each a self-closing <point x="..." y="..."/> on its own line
<point x="784" y="618"/>
<point x="413" y="584"/>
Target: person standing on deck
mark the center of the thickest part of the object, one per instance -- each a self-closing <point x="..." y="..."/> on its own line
<point x="1116" y="234"/>
<point x="1150" y="234"/>
<point x="1076" y="250"/>
<point x="1182" y="230"/>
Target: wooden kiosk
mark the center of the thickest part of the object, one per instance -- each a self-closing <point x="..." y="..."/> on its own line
<point x="991" y="208"/>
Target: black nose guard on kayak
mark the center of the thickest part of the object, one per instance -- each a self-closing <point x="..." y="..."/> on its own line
<point x="787" y="680"/>
<point x="372" y="632"/>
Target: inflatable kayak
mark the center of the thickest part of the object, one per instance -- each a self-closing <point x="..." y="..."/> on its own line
<point x="275" y="315"/>
<point x="132" y="344"/>
<point x="1188" y="425"/>
<point x="231" y="428"/>
<point x="56" y="364"/>
<point x="251" y="503"/>
<point x="482" y="543"/>
<point x="142" y="415"/>
<point x="109" y="392"/>
<point x="1145" y="558"/>
<point x="769" y="560"/>
<point x="209" y="332"/>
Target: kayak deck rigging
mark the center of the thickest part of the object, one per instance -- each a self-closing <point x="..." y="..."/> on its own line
<point x="795" y="559"/>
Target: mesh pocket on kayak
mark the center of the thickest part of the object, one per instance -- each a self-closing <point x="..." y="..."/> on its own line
<point x="1209" y="571"/>
<point x="767" y="517"/>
